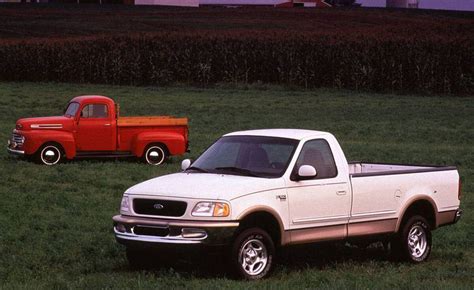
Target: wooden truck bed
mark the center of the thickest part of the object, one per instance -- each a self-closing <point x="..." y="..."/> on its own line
<point x="151" y="121"/>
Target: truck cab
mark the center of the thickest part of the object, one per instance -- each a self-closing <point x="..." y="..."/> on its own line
<point x="91" y="127"/>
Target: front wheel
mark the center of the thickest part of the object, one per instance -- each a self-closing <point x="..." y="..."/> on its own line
<point x="49" y="154"/>
<point x="155" y="154"/>
<point x="413" y="244"/>
<point x="253" y="254"/>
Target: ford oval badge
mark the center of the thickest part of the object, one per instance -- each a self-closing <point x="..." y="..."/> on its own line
<point x="158" y="206"/>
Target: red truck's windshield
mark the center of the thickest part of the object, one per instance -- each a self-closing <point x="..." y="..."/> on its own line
<point x="71" y="109"/>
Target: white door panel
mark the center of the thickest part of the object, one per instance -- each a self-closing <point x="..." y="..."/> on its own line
<point x="314" y="203"/>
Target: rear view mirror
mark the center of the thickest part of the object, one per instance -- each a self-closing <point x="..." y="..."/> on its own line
<point x="306" y="172"/>
<point x="185" y="164"/>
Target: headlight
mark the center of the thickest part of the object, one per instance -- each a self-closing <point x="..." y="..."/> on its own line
<point x="19" y="126"/>
<point x="216" y="209"/>
<point x="125" y="205"/>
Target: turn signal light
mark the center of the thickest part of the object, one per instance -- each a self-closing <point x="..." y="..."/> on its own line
<point x="221" y="209"/>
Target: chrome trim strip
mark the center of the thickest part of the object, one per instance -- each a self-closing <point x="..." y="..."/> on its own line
<point x="154" y="239"/>
<point x="331" y="218"/>
<point x="46" y="126"/>
<point x="15" y="152"/>
<point x="376" y="213"/>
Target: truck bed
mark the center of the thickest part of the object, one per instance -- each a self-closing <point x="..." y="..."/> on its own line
<point x="151" y="121"/>
<point x="357" y="168"/>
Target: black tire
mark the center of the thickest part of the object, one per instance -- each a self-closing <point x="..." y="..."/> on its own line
<point x="49" y="154"/>
<point x="413" y="242"/>
<point x="253" y="254"/>
<point x="155" y="154"/>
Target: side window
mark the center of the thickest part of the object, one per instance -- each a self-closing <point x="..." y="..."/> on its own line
<point x="95" y="111"/>
<point x="317" y="153"/>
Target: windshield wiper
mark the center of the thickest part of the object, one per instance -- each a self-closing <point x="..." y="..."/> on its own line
<point x="238" y="170"/>
<point x="197" y="169"/>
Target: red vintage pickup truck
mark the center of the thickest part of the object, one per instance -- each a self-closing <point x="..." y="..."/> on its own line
<point x="91" y="127"/>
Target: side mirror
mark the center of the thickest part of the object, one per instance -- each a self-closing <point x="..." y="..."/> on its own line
<point x="185" y="164"/>
<point x="306" y="172"/>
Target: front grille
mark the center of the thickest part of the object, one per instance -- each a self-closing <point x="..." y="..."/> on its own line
<point x="17" y="138"/>
<point x="159" y="207"/>
<point x="151" y="231"/>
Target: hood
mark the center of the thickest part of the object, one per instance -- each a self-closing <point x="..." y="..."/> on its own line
<point x="205" y="186"/>
<point x="57" y="122"/>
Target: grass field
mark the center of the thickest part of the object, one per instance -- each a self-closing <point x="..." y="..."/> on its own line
<point x="56" y="221"/>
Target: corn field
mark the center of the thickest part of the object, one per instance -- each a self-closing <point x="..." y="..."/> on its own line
<point x="430" y="61"/>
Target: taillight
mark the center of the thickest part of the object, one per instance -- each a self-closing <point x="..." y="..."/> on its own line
<point x="459" y="188"/>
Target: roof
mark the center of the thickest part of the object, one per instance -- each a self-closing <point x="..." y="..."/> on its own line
<point x="92" y="98"/>
<point x="280" y="133"/>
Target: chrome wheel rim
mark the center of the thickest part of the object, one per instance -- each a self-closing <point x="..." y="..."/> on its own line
<point x="50" y="155"/>
<point x="155" y="155"/>
<point x="253" y="257"/>
<point x="417" y="241"/>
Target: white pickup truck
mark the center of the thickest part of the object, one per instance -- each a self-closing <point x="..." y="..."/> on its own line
<point x="254" y="191"/>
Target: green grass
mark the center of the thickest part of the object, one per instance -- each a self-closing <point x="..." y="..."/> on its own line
<point x="56" y="221"/>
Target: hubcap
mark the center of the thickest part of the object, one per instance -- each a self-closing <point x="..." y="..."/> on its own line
<point x="253" y="257"/>
<point x="50" y="155"/>
<point x="417" y="242"/>
<point x="155" y="155"/>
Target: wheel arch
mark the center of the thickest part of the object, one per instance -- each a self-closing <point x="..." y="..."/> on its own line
<point x="174" y="143"/>
<point x="55" y="143"/>
<point x="267" y="219"/>
<point x="424" y="206"/>
<point x="37" y="139"/>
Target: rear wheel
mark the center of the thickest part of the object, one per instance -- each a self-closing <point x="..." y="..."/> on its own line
<point x="413" y="243"/>
<point x="49" y="154"/>
<point x="253" y="254"/>
<point x="155" y="154"/>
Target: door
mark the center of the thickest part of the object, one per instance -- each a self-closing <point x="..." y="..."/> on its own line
<point x="319" y="207"/>
<point x="95" y="129"/>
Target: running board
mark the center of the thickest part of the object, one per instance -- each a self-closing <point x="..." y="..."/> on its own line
<point x="104" y="154"/>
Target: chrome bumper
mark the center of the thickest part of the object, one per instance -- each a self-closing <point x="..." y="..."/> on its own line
<point x="15" y="152"/>
<point x="155" y="239"/>
<point x="178" y="232"/>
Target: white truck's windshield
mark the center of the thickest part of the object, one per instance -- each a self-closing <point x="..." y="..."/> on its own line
<point x="247" y="155"/>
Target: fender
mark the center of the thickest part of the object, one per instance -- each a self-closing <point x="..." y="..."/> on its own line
<point x="411" y="201"/>
<point x="175" y="142"/>
<point x="285" y="239"/>
<point x="36" y="138"/>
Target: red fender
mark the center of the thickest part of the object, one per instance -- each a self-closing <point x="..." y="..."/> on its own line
<point x="36" y="139"/>
<point x="174" y="142"/>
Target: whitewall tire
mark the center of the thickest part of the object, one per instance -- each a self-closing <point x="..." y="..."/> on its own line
<point x="49" y="154"/>
<point x="155" y="155"/>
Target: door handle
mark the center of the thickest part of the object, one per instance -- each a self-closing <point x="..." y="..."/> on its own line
<point x="341" y="192"/>
<point x="281" y="197"/>
<point x="107" y="124"/>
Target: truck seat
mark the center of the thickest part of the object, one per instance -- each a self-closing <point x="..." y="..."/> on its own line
<point x="258" y="158"/>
